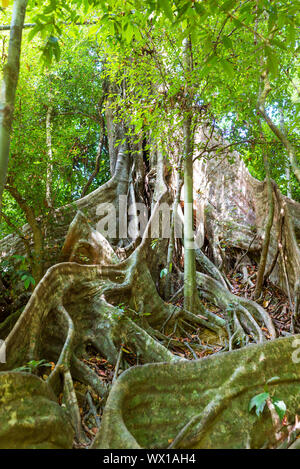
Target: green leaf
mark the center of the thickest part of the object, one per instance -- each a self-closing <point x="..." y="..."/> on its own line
<point x="280" y="44"/>
<point x="227" y="67"/>
<point x="291" y="35"/>
<point x="272" y="61"/>
<point x="272" y="20"/>
<point x="228" y="5"/>
<point x="128" y="33"/>
<point x="200" y="9"/>
<point x="280" y="408"/>
<point x="227" y="42"/>
<point x="259" y="402"/>
<point x="182" y="10"/>
<point x="34" y="31"/>
<point x="237" y="23"/>
<point x="166" y="7"/>
<point x="138" y="125"/>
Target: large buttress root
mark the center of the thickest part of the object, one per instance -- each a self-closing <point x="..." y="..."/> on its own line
<point x="30" y="415"/>
<point x="92" y="298"/>
<point x="149" y="406"/>
<point x="232" y="209"/>
<point x="76" y="306"/>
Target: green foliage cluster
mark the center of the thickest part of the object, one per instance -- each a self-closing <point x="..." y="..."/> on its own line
<point x="11" y="274"/>
<point x="259" y="401"/>
<point x="72" y="88"/>
<point x="33" y="365"/>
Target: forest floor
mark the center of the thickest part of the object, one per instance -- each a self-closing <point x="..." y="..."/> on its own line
<point x="191" y="344"/>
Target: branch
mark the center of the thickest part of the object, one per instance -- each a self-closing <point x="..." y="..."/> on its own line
<point x="7" y="27"/>
<point x="38" y="241"/>
<point x="279" y="134"/>
<point x="97" y="166"/>
<point x="18" y="232"/>
<point x="29" y="213"/>
<point x="9" y="86"/>
<point x="262" y="38"/>
<point x="76" y="112"/>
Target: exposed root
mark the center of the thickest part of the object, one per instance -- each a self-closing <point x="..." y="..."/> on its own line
<point x="87" y="376"/>
<point x="210" y="269"/>
<point x="247" y="311"/>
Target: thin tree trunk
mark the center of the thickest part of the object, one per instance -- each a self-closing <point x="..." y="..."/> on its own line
<point x="36" y="258"/>
<point x="262" y="96"/>
<point x="276" y="130"/>
<point x="189" y="250"/>
<point x="9" y="86"/>
<point x="97" y="164"/>
<point x="287" y="166"/>
<point x="288" y="180"/>
<point x="50" y="158"/>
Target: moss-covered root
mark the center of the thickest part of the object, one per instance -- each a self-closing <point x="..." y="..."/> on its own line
<point x="248" y="313"/>
<point x="150" y="405"/>
<point x="209" y="268"/>
<point x="30" y="415"/>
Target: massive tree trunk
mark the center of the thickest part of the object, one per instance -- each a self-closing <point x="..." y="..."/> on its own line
<point x="105" y="293"/>
<point x="232" y="209"/>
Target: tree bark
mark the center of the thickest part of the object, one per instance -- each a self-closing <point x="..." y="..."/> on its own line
<point x="49" y="170"/>
<point x="9" y="86"/>
<point x="174" y="216"/>
<point x="189" y="249"/>
<point x="291" y="151"/>
<point x="36" y="257"/>
<point x="267" y="233"/>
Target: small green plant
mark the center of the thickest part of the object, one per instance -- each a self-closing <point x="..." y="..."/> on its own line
<point x="32" y="366"/>
<point x="23" y="272"/>
<point x="154" y="243"/>
<point x="259" y="401"/>
<point x="121" y="308"/>
<point x="27" y="279"/>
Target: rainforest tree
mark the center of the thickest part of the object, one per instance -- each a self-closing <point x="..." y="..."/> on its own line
<point x="186" y="99"/>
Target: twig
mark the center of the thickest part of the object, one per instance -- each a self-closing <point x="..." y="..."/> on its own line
<point x="175" y="296"/>
<point x="245" y="254"/>
<point x="190" y="348"/>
